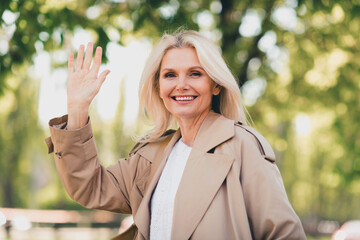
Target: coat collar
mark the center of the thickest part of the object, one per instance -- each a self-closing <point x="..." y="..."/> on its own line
<point x="203" y="175"/>
<point x="215" y="130"/>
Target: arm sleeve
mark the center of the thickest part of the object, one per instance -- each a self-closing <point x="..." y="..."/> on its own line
<point x="270" y="213"/>
<point x="84" y="178"/>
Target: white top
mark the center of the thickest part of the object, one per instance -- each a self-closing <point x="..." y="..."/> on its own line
<point x="162" y="201"/>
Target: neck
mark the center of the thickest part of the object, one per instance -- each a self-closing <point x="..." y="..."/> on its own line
<point x="189" y="128"/>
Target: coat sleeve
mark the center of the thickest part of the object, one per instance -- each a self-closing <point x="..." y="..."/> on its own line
<point x="270" y="213"/>
<point x="84" y="178"/>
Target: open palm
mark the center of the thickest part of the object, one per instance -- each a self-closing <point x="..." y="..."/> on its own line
<point x="84" y="82"/>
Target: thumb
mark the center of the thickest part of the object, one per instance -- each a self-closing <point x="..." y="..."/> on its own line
<point x="102" y="76"/>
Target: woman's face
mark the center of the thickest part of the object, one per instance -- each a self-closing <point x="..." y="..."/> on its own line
<point x="184" y="86"/>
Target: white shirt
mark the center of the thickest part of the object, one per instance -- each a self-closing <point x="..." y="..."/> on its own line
<point x="162" y="201"/>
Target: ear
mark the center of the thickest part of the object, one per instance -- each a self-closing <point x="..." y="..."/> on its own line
<point x="216" y="89"/>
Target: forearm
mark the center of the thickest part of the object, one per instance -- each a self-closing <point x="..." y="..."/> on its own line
<point x="85" y="180"/>
<point x="92" y="186"/>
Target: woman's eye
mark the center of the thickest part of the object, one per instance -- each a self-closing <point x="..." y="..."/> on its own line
<point x="196" y="74"/>
<point x="169" y="75"/>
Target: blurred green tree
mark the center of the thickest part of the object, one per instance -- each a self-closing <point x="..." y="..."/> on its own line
<point x="19" y="136"/>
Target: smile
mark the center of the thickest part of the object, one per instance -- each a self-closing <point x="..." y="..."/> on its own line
<point x="185" y="98"/>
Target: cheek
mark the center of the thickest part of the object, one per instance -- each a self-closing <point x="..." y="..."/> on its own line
<point x="166" y="87"/>
<point x="163" y="89"/>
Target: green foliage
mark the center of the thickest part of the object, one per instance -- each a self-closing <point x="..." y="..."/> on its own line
<point x="19" y="129"/>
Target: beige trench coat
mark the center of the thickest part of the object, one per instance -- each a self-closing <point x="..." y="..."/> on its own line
<point x="230" y="188"/>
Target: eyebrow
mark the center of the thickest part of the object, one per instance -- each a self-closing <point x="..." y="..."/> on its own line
<point x="192" y="68"/>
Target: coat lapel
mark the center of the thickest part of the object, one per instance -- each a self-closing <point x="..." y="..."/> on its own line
<point x="203" y="175"/>
<point x="142" y="217"/>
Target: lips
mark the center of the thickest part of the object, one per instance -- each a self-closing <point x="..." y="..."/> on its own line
<point x="183" y="98"/>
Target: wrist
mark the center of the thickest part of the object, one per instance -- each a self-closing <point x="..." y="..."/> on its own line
<point x="77" y="117"/>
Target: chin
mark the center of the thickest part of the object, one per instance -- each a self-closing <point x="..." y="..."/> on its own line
<point x="189" y="115"/>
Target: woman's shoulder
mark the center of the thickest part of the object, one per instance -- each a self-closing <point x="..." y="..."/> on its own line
<point x="241" y="135"/>
<point x="144" y="145"/>
<point x="249" y="135"/>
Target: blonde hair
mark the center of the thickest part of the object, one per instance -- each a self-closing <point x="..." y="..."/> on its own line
<point x="228" y="102"/>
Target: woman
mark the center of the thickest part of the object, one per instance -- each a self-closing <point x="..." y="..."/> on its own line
<point x="213" y="178"/>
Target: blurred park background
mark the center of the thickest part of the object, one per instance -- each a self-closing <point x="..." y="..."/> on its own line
<point x="298" y="67"/>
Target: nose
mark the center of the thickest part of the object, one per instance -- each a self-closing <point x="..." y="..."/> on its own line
<point x="182" y="83"/>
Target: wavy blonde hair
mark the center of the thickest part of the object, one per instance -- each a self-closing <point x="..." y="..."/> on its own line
<point x="227" y="103"/>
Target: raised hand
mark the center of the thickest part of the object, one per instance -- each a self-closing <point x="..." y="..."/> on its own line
<point x="83" y="84"/>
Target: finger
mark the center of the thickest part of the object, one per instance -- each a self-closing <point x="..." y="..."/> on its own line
<point x="97" y="60"/>
<point x="79" y="58"/>
<point x="71" y="63"/>
<point x="88" y="56"/>
<point x="102" y="76"/>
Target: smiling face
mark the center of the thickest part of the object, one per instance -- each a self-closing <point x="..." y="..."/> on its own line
<point x="184" y="86"/>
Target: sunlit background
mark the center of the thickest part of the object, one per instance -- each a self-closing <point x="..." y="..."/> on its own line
<point x="297" y="63"/>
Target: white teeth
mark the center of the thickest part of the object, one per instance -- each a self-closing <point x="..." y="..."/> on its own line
<point x="184" y="98"/>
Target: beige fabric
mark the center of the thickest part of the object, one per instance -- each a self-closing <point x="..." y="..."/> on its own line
<point x="232" y="193"/>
